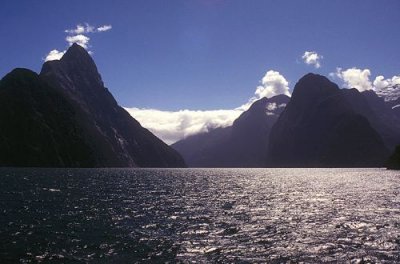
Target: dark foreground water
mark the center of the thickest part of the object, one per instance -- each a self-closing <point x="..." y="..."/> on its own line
<point x="199" y="215"/>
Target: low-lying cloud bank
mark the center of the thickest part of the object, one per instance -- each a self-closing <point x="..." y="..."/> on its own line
<point x="172" y="126"/>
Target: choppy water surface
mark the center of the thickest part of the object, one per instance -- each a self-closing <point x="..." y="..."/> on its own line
<point x="199" y="215"/>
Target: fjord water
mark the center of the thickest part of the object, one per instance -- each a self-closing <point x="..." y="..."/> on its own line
<point x="202" y="215"/>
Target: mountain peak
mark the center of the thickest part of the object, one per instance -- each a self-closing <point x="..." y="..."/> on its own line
<point x="75" y="51"/>
<point x="77" y="63"/>
<point x="314" y="85"/>
<point x="75" y="57"/>
<point x="315" y="79"/>
<point x="79" y="57"/>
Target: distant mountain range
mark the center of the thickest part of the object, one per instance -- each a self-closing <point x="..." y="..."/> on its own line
<point x="65" y="117"/>
<point x="319" y="126"/>
<point x="244" y="144"/>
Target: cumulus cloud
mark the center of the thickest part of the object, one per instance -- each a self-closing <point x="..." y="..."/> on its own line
<point x="172" y="126"/>
<point x="54" y="55"/>
<point x="355" y="78"/>
<point x="79" y="36"/>
<point x="388" y="88"/>
<point x="80" y="39"/>
<point x="312" y="58"/>
<point x="273" y="83"/>
<point x="380" y="82"/>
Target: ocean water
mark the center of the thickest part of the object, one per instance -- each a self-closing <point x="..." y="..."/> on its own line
<point x="199" y="215"/>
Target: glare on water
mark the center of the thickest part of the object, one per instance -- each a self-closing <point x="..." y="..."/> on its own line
<point x="200" y="215"/>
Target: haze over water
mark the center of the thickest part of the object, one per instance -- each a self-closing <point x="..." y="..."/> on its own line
<point x="202" y="215"/>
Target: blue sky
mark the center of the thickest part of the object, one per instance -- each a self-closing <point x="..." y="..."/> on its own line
<point x="205" y="54"/>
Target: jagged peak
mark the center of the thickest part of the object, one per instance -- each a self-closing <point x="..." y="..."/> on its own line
<point x="76" y="59"/>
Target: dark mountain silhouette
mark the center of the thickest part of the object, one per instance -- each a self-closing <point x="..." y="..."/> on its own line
<point x="320" y="128"/>
<point x="66" y="117"/>
<point x="393" y="162"/>
<point x="38" y="126"/>
<point x="380" y="115"/>
<point x="244" y="144"/>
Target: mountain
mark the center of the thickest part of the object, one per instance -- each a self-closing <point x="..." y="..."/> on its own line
<point x="393" y="162"/>
<point x="65" y="117"/>
<point x="244" y="144"/>
<point x="381" y="116"/>
<point x="320" y="128"/>
<point x="38" y="125"/>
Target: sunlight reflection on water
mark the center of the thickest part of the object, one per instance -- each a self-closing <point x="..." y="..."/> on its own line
<point x="203" y="215"/>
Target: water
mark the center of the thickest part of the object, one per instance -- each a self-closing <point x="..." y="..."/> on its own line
<point x="199" y="215"/>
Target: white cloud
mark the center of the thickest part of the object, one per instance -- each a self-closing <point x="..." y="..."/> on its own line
<point x="312" y="58"/>
<point x="355" y="78"/>
<point x="79" y="36"/>
<point x="380" y="82"/>
<point x="172" y="126"/>
<point x="104" y="28"/>
<point x="80" y="29"/>
<point x="54" y="55"/>
<point x="389" y="88"/>
<point x="80" y="39"/>
<point x="273" y="83"/>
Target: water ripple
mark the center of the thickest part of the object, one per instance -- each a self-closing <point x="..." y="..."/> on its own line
<point x="200" y="215"/>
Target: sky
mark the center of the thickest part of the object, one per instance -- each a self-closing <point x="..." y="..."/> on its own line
<point x="183" y="66"/>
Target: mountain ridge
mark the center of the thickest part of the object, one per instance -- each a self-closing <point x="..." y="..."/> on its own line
<point x="325" y="126"/>
<point x="115" y="139"/>
<point x="319" y="126"/>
